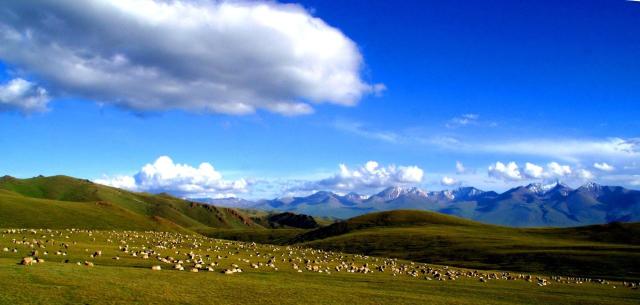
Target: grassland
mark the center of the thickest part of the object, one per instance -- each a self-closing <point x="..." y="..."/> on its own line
<point x="409" y="246"/>
<point x="611" y="251"/>
<point x="130" y="280"/>
<point x="275" y="236"/>
<point x="64" y="202"/>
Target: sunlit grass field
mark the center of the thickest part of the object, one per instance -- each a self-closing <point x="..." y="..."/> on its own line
<point x="130" y="280"/>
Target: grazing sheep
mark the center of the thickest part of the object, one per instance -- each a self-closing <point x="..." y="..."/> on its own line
<point x="27" y="261"/>
<point x="190" y="251"/>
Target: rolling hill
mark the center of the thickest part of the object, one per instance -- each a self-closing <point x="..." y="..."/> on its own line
<point x="59" y="202"/>
<point x="288" y="220"/>
<point x="611" y="250"/>
<point x="65" y="202"/>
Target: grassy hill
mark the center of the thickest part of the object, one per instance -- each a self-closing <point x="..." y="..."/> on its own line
<point x="58" y="202"/>
<point x="604" y="251"/>
<point x="65" y="202"/>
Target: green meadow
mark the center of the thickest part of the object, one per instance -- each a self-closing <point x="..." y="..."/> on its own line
<point x="398" y="257"/>
<point x="130" y="280"/>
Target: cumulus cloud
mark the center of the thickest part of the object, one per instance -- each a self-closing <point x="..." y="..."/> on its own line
<point x="585" y="174"/>
<point x="225" y="57"/>
<point x="370" y="176"/>
<point x="554" y="170"/>
<point x="533" y="170"/>
<point x="448" y="181"/>
<point x="509" y="171"/>
<point x="603" y="166"/>
<point x="181" y="180"/>
<point x="121" y="182"/>
<point x="24" y="96"/>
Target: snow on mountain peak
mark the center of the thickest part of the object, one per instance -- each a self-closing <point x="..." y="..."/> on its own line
<point x="591" y="186"/>
<point x="355" y="196"/>
<point x="395" y="192"/>
<point x="416" y="191"/>
<point x="549" y="188"/>
<point x="467" y="192"/>
<point x="449" y="194"/>
<point x="536" y="188"/>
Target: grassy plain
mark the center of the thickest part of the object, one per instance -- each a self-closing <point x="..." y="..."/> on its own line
<point x="130" y="280"/>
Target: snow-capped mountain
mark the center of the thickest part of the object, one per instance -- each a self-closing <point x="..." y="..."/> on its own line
<point x="554" y="204"/>
<point x="468" y="193"/>
<point x="395" y="192"/>
<point x="355" y="197"/>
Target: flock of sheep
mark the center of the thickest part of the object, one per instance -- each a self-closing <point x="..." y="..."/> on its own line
<point x="160" y="251"/>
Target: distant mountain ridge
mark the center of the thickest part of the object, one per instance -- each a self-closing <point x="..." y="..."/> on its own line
<point x="525" y="206"/>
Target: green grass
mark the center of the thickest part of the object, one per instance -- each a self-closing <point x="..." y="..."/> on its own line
<point x="610" y="251"/>
<point x="130" y="280"/>
<point x="274" y="236"/>
<point x="65" y="202"/>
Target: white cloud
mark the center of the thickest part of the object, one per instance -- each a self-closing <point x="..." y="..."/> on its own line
<point x="460" y="169"/>
<point x="558" y="170"/>
<point x="533" y="171"/>
<point x="24" y="96"/>
<point x="359" y="129"/>
<point x="178" y="179"/>
<point x="564" y="149"/>
<point x="585" y="174"/>
<point x="513" y="172"/>
<point x="227" y="57"/>
<point x="509" y="171"/>
<point x="409" y="174"/>
<point x="121" y="182"/>
<point x="463" y="120"/>
<point x="368" y="177"/>
<point x="448" y="181"/>
<point x="603" y="166"/>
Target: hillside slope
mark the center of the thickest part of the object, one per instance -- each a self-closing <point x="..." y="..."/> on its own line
<point x="65" y="202"/>
<point x="603" y="250"/>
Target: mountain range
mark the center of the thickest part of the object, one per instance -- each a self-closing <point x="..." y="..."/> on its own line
<point x="533" y="205"/>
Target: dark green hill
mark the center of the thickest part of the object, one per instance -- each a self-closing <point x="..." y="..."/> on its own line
<point x="65" y="202"/>
<point x="287" y="220"/>
<point x="606" y="250"/>
<point x="397" y="218"/>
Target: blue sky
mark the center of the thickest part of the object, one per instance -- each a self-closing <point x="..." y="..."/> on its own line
<point x="550" y="86"/>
